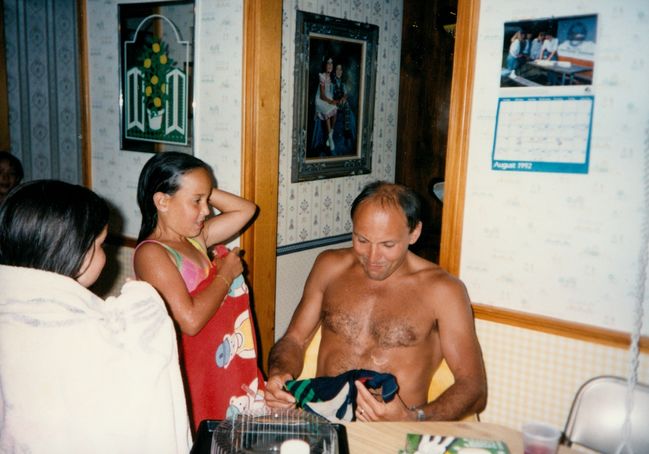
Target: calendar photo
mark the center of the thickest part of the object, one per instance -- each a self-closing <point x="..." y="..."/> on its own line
<point x="557" y="51"/>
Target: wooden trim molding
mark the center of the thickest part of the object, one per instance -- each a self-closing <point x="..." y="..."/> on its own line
<point x="260" y="156"/>
<point x="454" y="193"/>
<point x="558" y="327"/>
<point x="457" y="154"/>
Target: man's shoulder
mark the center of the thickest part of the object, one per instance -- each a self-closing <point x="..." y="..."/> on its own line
<point x="339" y="253"/>
<point x="335" y="258"/>
<point x="432" y="276"/>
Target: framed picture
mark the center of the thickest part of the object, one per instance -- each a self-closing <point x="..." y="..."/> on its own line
<point x="335" y="80"/>
<point x="156" y="61"/>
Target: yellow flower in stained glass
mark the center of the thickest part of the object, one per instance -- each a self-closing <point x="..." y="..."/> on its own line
<point x="155" y="65"/>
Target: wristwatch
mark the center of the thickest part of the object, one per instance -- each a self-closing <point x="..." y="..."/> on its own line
<point x="421" y="416"/>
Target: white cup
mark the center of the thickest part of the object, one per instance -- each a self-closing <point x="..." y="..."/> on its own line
<point x="540" y="438"/>
<point x="294" y="447"/>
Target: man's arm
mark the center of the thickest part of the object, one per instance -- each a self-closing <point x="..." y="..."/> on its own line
<point x="461" y="350"/>
<point x="286" y="358"/>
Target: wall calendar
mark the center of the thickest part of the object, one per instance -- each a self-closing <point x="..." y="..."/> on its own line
<point x="543" y="134"/>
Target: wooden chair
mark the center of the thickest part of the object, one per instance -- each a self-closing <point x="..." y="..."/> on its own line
<point x="442" y="379"/>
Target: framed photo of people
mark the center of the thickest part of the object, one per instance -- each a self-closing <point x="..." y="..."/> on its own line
<point x="335" y="79"/>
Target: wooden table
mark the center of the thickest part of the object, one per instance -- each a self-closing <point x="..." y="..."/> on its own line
<point x="564" y="71"/>
<point x="389" y="437"/>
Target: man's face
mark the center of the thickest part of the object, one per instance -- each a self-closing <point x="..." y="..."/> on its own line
<point x="380" y="238"/>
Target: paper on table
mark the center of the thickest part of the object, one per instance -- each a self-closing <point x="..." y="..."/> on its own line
<point x="440" y="444"/>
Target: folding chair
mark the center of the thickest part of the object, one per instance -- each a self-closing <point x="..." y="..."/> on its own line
<point x="596" y="418"/>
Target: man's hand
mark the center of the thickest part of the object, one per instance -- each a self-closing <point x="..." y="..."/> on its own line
<point x="275" y="395"/>
<point x="369" y="408"/>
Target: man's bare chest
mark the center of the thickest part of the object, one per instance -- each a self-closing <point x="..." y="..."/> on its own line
<point x="384" y="316"/>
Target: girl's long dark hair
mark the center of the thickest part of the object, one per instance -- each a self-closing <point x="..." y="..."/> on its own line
<point x="50" y="225"/>
<point x="161" y="173"/>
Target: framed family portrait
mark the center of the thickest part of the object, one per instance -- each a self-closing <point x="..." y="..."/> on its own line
<point x="333" y="112"/>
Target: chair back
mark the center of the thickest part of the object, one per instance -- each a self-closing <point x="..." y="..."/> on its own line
<point x="598" y="411"/>
<point x="442" y="379"/>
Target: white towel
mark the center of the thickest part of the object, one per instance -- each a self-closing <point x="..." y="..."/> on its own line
<point x="82" y="375"/>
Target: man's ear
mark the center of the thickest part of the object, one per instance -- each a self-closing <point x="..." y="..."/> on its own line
<point x="414" y="235"/>
<point x="161" y="201"/>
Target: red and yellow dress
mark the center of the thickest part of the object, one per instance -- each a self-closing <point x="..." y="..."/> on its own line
<point x="220" y="362"/>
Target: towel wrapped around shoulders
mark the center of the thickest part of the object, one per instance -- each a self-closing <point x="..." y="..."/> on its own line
<point x="80" y="374"/>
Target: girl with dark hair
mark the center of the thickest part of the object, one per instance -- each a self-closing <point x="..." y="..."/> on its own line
<point x="11" y="173"/>
<point x="44" y="232"/>
<point x="92" y="375"/>
<point x="325" y="105"/>
<point x="206" y="295"/>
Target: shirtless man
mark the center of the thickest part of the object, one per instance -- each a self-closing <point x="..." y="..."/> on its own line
<point x="383" y="308"/>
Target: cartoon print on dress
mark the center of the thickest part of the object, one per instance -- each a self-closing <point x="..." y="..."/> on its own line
<point x="253" y="399"/>
<point x="239" y="343"/>
<point x="238" y="287"/>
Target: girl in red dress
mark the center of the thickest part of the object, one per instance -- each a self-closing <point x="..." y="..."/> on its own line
<point x="205" y="293"/>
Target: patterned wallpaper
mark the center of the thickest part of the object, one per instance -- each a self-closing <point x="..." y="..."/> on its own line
<point x="319" y="209"/>
<point x="43" y="87"/>
<point x="217" y="104"/>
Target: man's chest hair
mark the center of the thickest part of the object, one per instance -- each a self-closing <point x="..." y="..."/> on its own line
<point x="384" y="325"/>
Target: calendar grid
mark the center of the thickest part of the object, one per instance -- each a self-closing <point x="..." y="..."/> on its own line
<point x="543" y="134"/>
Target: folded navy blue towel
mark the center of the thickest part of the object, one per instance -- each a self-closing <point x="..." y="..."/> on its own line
<point x="335" y="397"/>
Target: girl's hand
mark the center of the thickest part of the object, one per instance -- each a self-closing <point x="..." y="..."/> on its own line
<point x="231" y="265"/>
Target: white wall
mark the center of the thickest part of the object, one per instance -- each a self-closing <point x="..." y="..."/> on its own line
<point x="217" y="103"/>
<point x="563" y="245"/>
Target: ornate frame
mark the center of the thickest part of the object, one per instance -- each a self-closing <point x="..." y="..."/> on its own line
<point x="354" y="46"/>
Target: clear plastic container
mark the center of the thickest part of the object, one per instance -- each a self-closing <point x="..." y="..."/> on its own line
<point x="265" y="431"/>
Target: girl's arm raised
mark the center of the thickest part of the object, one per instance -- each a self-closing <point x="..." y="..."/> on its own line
<point x="235" y="214"/>
<point x="154" y="265"/>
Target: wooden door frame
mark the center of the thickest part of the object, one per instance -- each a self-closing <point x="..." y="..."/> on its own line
<point x="260" y="155"/>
